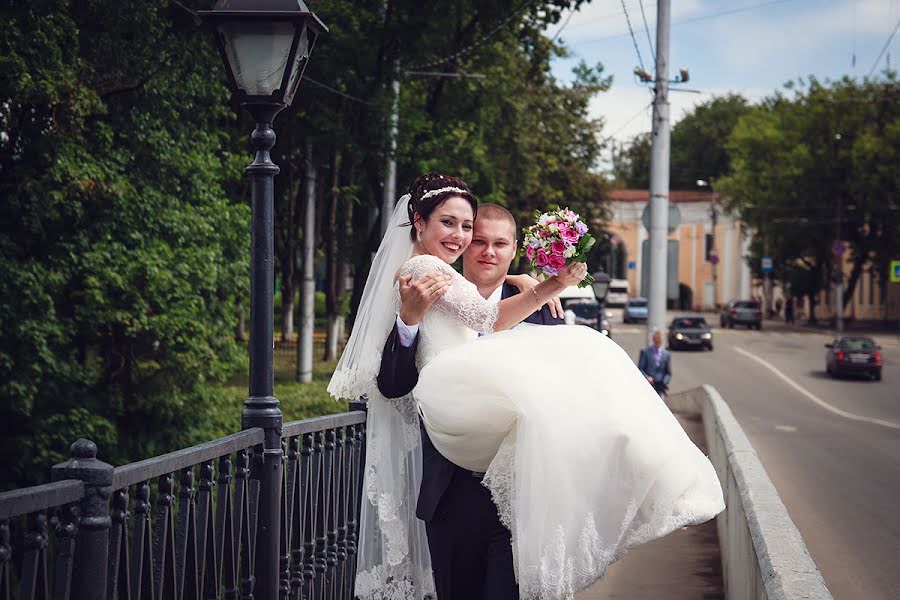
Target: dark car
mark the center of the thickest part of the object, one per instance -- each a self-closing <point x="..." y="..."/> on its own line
<point x="635" y="311"/>
<point x="588" y="312"/>
<point x="690" y="332"/>
<point x="741" y="312"/>
<point x="854" y="356"/>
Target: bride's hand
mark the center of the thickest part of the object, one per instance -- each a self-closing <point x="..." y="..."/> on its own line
<point x="525" y="282"/>
<point x="572" y="274"/>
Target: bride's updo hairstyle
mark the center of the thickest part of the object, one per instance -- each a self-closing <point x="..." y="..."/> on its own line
<point x="423" y="203"/>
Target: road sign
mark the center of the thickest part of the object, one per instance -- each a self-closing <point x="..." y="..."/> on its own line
<point x="674" y="217"/>
<point x="713" y="256"/>
<point x="839" y="247"/>
<point x="895" y="271"/>
<point x="632" y="265"/>
<point x="767" y="264"/>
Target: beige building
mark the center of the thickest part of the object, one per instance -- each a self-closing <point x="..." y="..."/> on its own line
<point x="693" y="285"/>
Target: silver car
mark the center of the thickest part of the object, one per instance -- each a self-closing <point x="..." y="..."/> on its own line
<point x="741" y="312"/>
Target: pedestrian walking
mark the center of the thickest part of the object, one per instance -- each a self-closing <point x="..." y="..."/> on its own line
<point x="789" y="311"/>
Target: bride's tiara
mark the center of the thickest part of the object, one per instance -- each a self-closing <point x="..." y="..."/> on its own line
<point x="442" y="190"/>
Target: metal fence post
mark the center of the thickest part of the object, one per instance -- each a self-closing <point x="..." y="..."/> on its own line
<point x="92" y="540"/>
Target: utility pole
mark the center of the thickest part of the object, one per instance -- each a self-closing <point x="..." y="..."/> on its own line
<point x="390" y="175"/>
<point x="659" y="175"/>
<point x="308" y="288"/>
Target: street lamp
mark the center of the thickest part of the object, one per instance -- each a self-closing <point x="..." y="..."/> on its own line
<point x="265" y="45"/>
<point x="600" y="286"/>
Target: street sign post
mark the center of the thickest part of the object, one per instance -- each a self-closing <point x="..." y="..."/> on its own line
<point x="767" y="264"/>
<point x="713" y="256"/>
<point x="838" y="248"/>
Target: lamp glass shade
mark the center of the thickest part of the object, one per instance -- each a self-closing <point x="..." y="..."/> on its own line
<point x="257" y="54"/>
<point x="304" y="47"/>
<point x="600" y="285"/>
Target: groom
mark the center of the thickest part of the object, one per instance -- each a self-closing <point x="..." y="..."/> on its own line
<point x="471" y="552"/>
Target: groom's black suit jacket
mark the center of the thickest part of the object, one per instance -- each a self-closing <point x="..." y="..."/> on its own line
<point x="398" y="376"/>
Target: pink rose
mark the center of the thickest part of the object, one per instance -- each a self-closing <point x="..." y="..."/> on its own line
<point x="541" y="259"/>
<point x="557" y="247"/>
<point x="570" y="235"/>
<point x="557" y="261"/>
<point x="529" y="252"/>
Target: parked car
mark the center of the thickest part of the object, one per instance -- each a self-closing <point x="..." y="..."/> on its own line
<point x="588" y="312"/>
<point x="741" y="312"/>
<point x="854" y="356"/>
<point x="617" y="293"/>
<point x="635" y="311"/>
<point x="690" y="332"/>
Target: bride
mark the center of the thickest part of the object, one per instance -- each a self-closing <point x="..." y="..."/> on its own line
<point x="582" y="458"/>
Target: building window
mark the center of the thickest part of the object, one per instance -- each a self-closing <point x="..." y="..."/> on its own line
<point x="709" y="245"/>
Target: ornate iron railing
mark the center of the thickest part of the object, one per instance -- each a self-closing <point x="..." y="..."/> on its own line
<point x="184" y="525"/>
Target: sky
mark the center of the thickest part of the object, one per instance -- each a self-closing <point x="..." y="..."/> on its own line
<point x="751" y="47"/>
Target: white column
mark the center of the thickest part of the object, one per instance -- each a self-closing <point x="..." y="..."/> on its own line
<point x="694" y="263"/>
<point x="727" y="292"/>
<point x="744" y="266"/>
<point x="639" y="262"/>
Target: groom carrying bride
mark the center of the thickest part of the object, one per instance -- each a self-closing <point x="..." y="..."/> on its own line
<point x="470" y="548"/>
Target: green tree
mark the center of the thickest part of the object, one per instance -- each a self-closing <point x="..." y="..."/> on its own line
<point x="697" y="146"/>
<point x="121" y="252"/>
<point x="817" y="167"/>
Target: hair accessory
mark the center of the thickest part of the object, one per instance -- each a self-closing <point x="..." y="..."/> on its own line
<point x="442" y="190"/>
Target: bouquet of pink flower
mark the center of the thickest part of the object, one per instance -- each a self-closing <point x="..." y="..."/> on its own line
<point x="558" y="238"/>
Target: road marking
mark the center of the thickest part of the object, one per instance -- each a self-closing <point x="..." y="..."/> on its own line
<point x="816" y="399"/>
<point x="787" y="428"/>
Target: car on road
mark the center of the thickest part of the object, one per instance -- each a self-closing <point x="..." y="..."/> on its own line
<point x="854" y="356"/>
<point x="741" y="312"/>
<point x="635" y="311"/>
<point x="617" y="293"/>
<point x="588" y="312"/>
<point x="690" y="332"/>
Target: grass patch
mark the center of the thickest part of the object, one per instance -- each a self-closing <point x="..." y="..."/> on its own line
<point x="298" y="400"/>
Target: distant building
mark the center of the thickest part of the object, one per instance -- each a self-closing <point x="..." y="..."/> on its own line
<point x="691" y="248"/>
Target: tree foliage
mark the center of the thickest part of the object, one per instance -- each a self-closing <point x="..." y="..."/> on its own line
<point x="122" y="253"/>
<point x="698" y="147"/>
<point x="818" y="166"/>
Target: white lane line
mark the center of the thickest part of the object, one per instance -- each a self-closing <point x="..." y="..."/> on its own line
<point x="816" y="399"/>
<point x="787" y="428"/>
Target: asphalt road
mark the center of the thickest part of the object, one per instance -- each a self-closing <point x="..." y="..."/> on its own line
<point x="831" y="447"/>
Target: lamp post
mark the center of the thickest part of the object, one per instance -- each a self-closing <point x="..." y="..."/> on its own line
<point x="265" y="45"/>
<point x="600" y="286"/>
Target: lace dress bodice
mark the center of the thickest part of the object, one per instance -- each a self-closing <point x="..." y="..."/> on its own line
<point x="457" y="317"/>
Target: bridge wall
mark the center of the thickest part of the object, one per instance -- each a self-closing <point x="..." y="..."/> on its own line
<point x="763" y="555"/>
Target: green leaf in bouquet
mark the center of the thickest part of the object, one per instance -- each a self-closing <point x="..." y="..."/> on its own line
<point x="586" y="242"/>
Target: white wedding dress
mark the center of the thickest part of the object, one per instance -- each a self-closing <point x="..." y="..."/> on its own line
<point x="582" y="457"/>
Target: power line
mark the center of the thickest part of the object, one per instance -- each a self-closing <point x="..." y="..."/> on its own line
<point x="559" y="31"/>
<point x="884" y="49"/>
<point x="468" y="49"/>
<point x="647" y="29"/>
<point x="334" y="91"/>
<point x="694" y="19"/>
<point x="631" y="31"/>
<point x="628" y="122"/>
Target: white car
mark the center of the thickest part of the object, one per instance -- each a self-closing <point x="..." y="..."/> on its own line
<point x="617" y="294"/>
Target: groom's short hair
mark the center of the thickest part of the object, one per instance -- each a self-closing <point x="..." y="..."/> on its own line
<point x="495" y="212"/>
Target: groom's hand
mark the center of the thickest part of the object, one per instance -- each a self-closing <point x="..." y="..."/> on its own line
<point x="416" y="298"/>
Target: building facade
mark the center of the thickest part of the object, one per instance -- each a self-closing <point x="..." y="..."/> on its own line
<point x="705" y="234"/>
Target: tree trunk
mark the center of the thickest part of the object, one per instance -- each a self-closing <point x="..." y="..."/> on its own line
<point x="333" y="287"/>
<point x="308" y="290"/>
<point x="241" y="324"/>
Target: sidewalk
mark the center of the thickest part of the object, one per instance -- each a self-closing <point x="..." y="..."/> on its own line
<point x="685" y="565"/>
